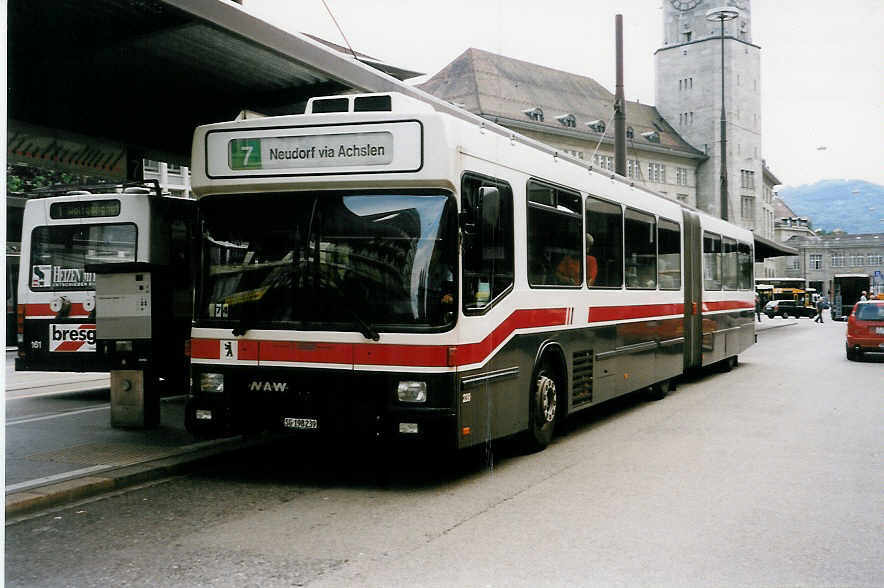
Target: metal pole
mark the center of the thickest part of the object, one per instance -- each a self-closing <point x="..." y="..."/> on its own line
<point x="723" y="182"/>
<point x="619" y="104"/>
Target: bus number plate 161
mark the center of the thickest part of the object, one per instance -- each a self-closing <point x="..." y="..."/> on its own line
<point x="304" y="424"/>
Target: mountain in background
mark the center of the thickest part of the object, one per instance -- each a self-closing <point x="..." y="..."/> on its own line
<point x="854" y="206"/>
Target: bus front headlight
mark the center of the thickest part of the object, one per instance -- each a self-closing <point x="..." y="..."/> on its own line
<point x="212" y="383"/>
<point x="409" y="391"/>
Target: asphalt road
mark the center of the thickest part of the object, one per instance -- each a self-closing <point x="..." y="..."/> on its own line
<point x="770" y="475"/>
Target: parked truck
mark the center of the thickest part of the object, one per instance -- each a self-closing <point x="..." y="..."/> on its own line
<point x="846" y="291"/>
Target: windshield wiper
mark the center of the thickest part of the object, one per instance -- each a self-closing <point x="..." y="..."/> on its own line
<point x="242" y="328"/>
<point x="367" y="330"/>
<point x="247" y="321"/>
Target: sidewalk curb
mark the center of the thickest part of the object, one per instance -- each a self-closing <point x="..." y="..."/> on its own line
<point x="60" y="493"/>
<point x="776" y="326"/>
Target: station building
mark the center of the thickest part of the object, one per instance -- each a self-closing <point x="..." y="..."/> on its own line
<point x="822" y="257"/>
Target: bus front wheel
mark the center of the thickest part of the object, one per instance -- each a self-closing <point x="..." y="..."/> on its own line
<point x="544" y="407"/>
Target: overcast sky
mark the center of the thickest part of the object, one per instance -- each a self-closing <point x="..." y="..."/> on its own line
<point x="822" y="61"/>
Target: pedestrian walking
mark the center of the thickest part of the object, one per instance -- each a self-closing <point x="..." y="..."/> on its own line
<point x="820" y="307"/>
<point x="758" y="308"/>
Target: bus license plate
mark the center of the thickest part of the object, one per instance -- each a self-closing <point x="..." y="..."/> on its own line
<point x="290" y="423"/>
<point x="879" y="330"/>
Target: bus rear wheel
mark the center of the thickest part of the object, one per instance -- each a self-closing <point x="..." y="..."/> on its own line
<point x="728" y="363"/>
<point x="544" y="408"/>
<point x="659" y="390"/>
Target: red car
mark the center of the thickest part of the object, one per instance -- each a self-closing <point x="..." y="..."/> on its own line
<point x="865" y="329"/>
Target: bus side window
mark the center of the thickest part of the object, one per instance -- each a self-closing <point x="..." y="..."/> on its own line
<point x="711" y="261"/>
<point x="604" y="229"/>
<point x="640" y="235"/>
<point x="745" y="255"/>
<point x="730" y="264"/>
<point x="488" y="261"/>
<point x="668" y="254"/>
<point x="554" y="237"/>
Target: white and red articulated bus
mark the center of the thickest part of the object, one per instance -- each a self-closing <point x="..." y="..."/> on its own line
<point x="377" y="266"/>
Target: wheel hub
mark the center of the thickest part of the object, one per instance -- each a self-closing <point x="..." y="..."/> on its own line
<point x="546" y="388"/>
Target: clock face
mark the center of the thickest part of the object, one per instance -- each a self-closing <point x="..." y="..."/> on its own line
<point x="684" y="4"/>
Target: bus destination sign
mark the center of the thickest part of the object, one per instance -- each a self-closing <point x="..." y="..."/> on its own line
<point x="311" y="151"/>
<point x="84" y="209"/>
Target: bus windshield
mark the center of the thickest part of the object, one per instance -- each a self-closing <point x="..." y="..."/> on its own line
<point x="329" y="260"/>
<point x="59" y="253"/>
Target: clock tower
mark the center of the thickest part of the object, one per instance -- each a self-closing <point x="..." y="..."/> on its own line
<point x="688" y="94"/>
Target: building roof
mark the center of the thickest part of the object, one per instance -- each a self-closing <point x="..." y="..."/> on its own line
<point x="839" y="240"/>
<point x="782" y="210"/>
<point x="502" y="88"/>
<point x="769" y="176"/>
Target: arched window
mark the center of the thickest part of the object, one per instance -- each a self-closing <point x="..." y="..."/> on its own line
<point x="596" y="125"/>
<point x="568" y="120"/>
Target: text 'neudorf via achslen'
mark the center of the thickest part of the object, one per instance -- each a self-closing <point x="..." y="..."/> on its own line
<point x="327" y="152"/>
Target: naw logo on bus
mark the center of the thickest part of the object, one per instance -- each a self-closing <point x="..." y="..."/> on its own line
<point x="72" y="338"/>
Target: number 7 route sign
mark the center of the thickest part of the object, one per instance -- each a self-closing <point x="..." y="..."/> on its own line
<point x="245" y="154"/>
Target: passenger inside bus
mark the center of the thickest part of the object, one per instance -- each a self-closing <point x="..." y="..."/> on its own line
<point x="568" y="271"/>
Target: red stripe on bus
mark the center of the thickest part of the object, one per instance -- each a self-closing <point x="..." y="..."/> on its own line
<point x="521" y="319"/>
<point x="305" y="352"/>
<point x="381" y="354"/>
<point x="205" y="349"/>
<point x="34" y="309"/>
<point x="599" y="314"/>
<point x="727" y="305"/>
<point x="246" y="349"/>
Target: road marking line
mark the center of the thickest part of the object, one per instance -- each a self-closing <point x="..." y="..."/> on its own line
<point x="12" y="488"/>
<point x="55" y="416"/>
<point x="58" y="392"/>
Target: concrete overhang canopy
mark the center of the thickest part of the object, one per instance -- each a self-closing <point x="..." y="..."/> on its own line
<point x="147" y="72"/>
<point x="765" y="248"/>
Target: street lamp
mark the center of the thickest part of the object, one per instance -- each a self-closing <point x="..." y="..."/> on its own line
<point x="723" y="14"/>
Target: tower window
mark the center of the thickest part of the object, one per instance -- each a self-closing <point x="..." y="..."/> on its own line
<point x="652" y="136"/>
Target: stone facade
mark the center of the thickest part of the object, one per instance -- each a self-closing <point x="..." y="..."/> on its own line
<point x="824" y="256"/>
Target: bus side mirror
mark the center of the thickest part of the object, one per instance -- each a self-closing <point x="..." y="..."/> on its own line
<point x="489" y="205"/>
<point x="489" y="213"/>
